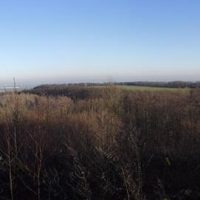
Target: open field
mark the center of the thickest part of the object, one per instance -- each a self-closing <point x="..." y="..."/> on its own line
<point x="81" y="143"/>
<point x="159" y="89"/>
<point x="133" y="88"/>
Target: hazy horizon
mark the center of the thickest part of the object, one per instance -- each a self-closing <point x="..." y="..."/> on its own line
<point x="67" y="41"/>
<point x="30" y="83"/>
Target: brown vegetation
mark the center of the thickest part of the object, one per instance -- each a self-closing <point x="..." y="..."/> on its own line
<point x="114" y="144"/>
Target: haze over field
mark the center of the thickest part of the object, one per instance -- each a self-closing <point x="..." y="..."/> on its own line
<point x="109" y="40"/>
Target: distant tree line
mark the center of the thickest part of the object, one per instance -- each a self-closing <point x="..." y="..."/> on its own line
<point x="171" y="84"/>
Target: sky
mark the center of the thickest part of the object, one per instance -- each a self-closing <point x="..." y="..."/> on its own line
<point x="99" y="40"/>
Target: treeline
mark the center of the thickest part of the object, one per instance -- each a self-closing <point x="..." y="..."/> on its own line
<point x="95" y="90"/>
<point x="115" y="144"/>
<point x="75" y="92"/>
<point x="173" y="84"/>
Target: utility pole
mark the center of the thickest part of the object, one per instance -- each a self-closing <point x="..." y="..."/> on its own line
<point x="14" y="82"/>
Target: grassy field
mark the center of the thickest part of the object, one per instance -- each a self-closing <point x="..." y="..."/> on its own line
<point x="148" y="88"/>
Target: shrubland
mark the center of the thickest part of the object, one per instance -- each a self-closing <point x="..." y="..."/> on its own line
<point x="99" y="143"/>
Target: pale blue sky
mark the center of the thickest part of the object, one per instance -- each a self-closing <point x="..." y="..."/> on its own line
<point x="99" y="40"/>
